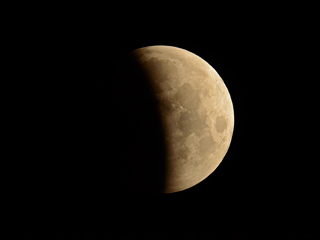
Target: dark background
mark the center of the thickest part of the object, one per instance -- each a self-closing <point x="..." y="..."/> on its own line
<point x="63" y="178"/>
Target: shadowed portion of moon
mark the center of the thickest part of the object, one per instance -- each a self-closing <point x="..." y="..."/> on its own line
<point x="136" y="133"/>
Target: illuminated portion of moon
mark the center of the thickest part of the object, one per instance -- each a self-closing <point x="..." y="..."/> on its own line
<point x="196" y="111"/>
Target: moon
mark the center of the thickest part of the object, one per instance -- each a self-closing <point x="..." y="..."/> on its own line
<point x="179" y="118"/>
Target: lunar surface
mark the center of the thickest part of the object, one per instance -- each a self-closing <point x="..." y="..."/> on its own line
<point x="180" y="118"/>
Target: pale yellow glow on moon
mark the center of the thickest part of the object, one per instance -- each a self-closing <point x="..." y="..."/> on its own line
<point x="196" y="111"/>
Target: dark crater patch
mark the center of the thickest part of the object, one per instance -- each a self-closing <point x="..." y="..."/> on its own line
<point x="188" y="97"/>
<point x="221" y="124"/>
<point x="190" y="122"/>
<point x="207" y="146"/>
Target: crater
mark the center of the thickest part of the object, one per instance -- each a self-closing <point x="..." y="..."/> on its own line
<point x="198" y="74"/>
<point x="191" y="122"/>
<point x="188" y="97"/>
<point x="154" y="69"/>
<point x="162" y="74"/>
<point x="153" y="52"/>
<point x="221" y="124"/>
<point x="207" y="146"/>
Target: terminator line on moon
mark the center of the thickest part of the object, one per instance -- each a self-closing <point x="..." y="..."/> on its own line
<point x="195" y="113"/>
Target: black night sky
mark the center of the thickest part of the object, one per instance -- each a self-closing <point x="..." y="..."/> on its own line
<point x="65" y="178"/>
